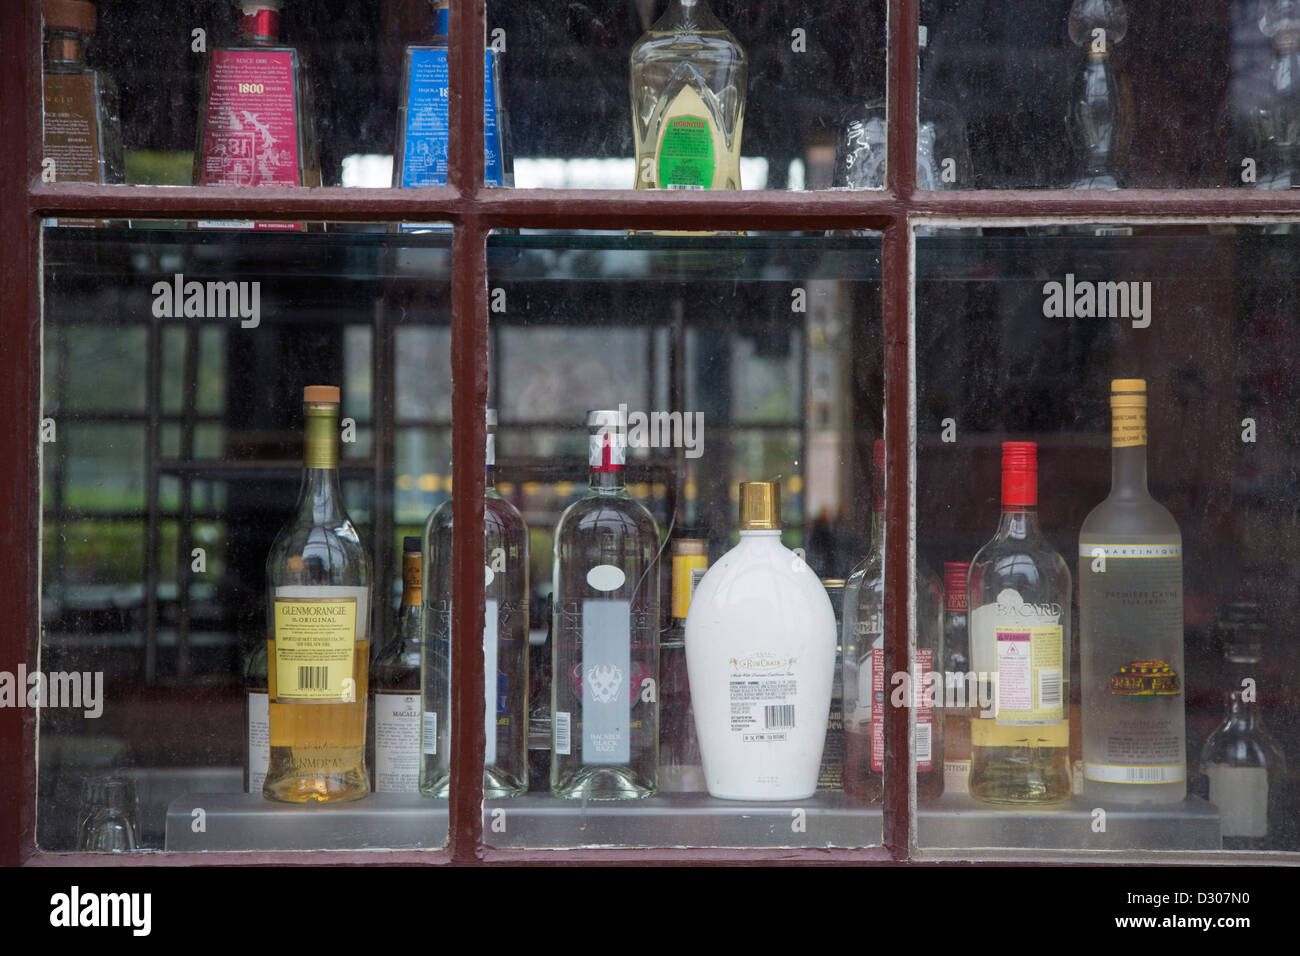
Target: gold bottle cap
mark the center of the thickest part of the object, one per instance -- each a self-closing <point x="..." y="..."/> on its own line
<point x="321" y="394"/>
<point x="1128" y="386"/>
<point x="760" y="506"/>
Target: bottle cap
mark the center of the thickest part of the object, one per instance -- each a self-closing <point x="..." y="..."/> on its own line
<point x="249" y="6"/>
<point x="78" y="15"/>
<point x="690" y="546"/>
<point x="1019" y="474"/>
<point x="955" y="574"/>
<point x="1128" y="392"/>
<point x="321" y="394"/>
<point x="760" y="506"/>
<point x="411" y="543"/>
<point x="603" y="418"/>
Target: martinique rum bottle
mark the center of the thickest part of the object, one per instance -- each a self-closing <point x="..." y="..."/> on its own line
<point x="318" y="630"/>
<point x="255" y="116"/>
<point x="688" y="78"/>
<point x="1019" y="600"/>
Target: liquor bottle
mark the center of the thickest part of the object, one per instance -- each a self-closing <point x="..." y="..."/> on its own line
<point x="688" y="82"/>
<point x="255" y="114"/>
<point x="257" y="728"/>
<point x="1131" y="626"/>
<point x="956" y="642"/>
<point x="1276" y="118"/>
<point x="605" y="651"/>
<point x="82" y="134"/>
<point x="395" y="687"/>
<point x="1099" y="114"/>
<point x="830" y="777"/>
<point x="866" y="686"/>
<point x="318" y="651"/>
<point x="505" y="643"/>
<point x="760" y="654"/>
<point x="1019" y="600"/>
<point x="1243" y="765"/>
<point x="680" y="768"/>
<point x="420" y="159"/>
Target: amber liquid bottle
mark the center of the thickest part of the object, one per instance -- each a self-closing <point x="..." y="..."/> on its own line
<point x="83" y="139"/>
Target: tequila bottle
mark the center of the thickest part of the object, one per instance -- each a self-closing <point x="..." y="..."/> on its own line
<point x="255" y="114"/>
<point x="505" y="644"/>
<point x="605" y="651"/>
<point x="82" y="135"/>
<point x="395" y="687"/>
<point x="866" y="686"/>
<point x="688" y="79"/>
<point x="318" y="609"/>
<point x="1019" y="600"/>
<point x="420" y="158"/>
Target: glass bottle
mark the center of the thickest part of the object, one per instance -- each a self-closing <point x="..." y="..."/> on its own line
<point x="959" y="699"/>
<point x="679" y="747"/>
<point x="318" y="610"/>
<point x="257" y="729"/>
<point x="395" y="687"/>
<point x="82" y="133"/>
<point x="1019" y="599"/>
<point x="830" y="778"/>
<point x="1277" y="118"/>
<point x="505" y="644"/>
<point x="605" y="651"/>
<point x="867" y="688"/>
<point x="256" y="124"/>
<point x="1098" y="117"/>
<point x="420" y="159"/>
<point x="688" y="83"/>
<point x="1131" y="626"/>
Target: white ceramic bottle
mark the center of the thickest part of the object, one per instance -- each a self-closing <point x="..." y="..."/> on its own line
<point x="760" y="657"/>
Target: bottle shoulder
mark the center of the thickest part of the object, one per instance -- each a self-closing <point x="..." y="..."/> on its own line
<point x="1130" y="515"/>
<point x="596" y="513"/>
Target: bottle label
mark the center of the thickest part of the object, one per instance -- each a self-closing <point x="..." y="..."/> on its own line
<point x="1131" y="644"/>
<point x="250" y="131"/>
<point x="1128" y="424"/>
<point x="1241" y="794"/>
<point x="689" y="144"/>
<point x="493" y="695"/>
<point x="606" y="675"/>
<point x="397" y="742"/>
<point x="259" y="739"/>
<point x="424" y="157"/>
<point x="316" y="632"/>
<point x="688" y="569"/>
<point x="763" y="692"/>
<point x="607" y="450"/>
<point x="925" y="709"/>
<point x="874" y="686"/>
<point x="71" y="127"/>
<point x="1021" y="646"/>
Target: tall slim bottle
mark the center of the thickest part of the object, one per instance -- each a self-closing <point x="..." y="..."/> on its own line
<point x="688" y="80"/>
<point x="1131" y="623"/>
<point x="956" y="644"/>
<point x="680" y="768"/>
<point x="420" y="159"/>
<point x="395" y="687"/>
<point x="1019" y="599"/>
<point x="605" y="650"/>
<point x="256" y="126"/>
<point x="318" y="599"/>
<point x="505" y="644"/>
<point x="82" y="134"/>
<point x="867" y="688"/>
<point x="257" y="728"/>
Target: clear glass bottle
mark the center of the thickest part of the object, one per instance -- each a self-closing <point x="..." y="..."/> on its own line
<point x="1019" y="600"/>
<point x="1131" y="627"/>
<point x="1277" y="117"/>
<point x="318" y="597"/>
<point x="688" y="84"/>
<point x="1098" y="116"/>
<point x="866" y="686"/>
<point x="605" y="651"/>
<point x="956" y="644"/>
<point x="257" y="729"/>
<point x="395" y="687"/>
<point x="505" y="644"/>
<point x="256" y="124"/>
<point x="680" y="768"/>
<point x="82" y="133"/>
<point x="420" y="159"/>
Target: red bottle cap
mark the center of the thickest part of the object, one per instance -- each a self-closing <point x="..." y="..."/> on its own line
<point x="1019" y="474"/>
<point x="878" y="453"/>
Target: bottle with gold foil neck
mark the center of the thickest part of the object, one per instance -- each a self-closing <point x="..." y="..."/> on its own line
<point x="760" y="655"/>
<point x="318" y="595"/>
<point x="1131" y="626"/>
<point x="82" y="134"/>
<point x="395" y="688"/>
<point x="679" y="749"/>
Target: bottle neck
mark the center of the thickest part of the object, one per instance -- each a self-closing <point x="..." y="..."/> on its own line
<point x="1128" y="470"/>
<point x="320" y="498"/>
<point x="1019" y="523"/>
<point x="259" y="26"/>
<point x="1242" y="713"/>
<point x="412" y="585"/>
<point x="441" y="22"/>
<point x="607" y="479"/>
<point x="65" y="48"/>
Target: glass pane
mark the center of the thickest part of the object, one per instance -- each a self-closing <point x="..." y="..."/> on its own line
<point x="174" y="447"/>
<point x="1130" y="400"/>
<point x="670" y="370"/>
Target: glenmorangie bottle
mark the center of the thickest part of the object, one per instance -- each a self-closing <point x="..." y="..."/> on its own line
<point x="1019" y="601"/>
<point x="1131" y="624"/>
<point x="318" y="610"/>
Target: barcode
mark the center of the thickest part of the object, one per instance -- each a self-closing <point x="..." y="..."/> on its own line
<point x="779" y="715"/>
<point x="683" y="186"/>
<point x="563" y="734"/>
<point x="923" y="747"/>
<point x="1049" y="688"/>
<point x="429" y="733"/>
<point x="313" y="678"/>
